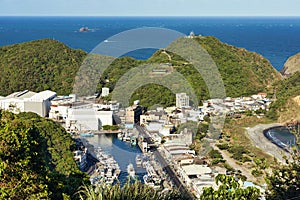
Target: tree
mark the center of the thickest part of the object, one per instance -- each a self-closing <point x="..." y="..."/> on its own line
<point x="36" y="159"/>
<point x="229" y="189"/>
<point x="284" y="182"/>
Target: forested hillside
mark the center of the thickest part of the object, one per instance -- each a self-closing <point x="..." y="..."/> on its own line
<point x="39" y="65"/>
<point x="287" y="105"/>
<point x="243" y="73"/>
<point x="36" y="161"/>
<point x="49" y="64"/>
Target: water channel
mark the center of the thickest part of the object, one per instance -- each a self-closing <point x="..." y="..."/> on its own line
<point x="122" y="151"/>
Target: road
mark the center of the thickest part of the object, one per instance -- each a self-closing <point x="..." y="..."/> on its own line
<point x="179" y="185"/>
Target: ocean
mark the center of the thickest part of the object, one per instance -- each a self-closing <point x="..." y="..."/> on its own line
<point x="276" y="38"/>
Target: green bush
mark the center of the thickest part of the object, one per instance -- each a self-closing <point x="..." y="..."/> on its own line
<point x="223" y="146"/>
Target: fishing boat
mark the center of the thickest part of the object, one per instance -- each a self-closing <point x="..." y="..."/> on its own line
<point x="120" y="136"/>
<point x="130" y="170"/>
<point x="106" y="170"/>
<point x="153" y="182"/>
<point x="138" y="160"/>
<point x="133" y="140"/>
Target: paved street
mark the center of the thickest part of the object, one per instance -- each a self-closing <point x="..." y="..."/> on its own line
<point x="180" y="186"/>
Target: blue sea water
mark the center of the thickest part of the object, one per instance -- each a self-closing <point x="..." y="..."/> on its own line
<point x="274" y="38"/>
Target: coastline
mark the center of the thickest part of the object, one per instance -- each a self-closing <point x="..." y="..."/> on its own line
<point x="259" y="140"/>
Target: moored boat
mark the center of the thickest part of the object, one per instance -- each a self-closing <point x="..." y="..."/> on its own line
<point x="138" y="160"/>
<point x="133" y="140"/>
<point x="130" y="170"/>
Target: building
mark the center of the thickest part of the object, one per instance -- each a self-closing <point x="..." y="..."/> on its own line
<point x="28" y="101"/>
<point x="182" y="100"/>
<point x="132" y="114"/>
<point x="87" y="119"/>
<point x="105" y="92"/>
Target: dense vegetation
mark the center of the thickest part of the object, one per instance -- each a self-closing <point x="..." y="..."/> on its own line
<point x="39" y="65"/>
<point x="283" y="182"/>
<point x="243" y="72"/>
<point x="49" y="64"/>
<point x="285" y="90"/>
<point x="132" y="191"/>
<point x="36" y="161"/>
<point x="230" y="189"/>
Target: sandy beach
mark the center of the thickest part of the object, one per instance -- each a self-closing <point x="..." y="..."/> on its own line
<point x="256" y="135"/>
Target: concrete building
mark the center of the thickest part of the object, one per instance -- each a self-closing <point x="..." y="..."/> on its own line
<point x="86" y="119"/>
<point x="132" y="114"/>
<point x="27" y="101"/>
<point x="182" y="100"/>
<point x="111" y="105"/>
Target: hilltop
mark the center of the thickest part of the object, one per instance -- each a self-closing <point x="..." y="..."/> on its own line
<point x="244" y="73"/>
<point x="39" y="65"/>
<point x="291" y="66"/>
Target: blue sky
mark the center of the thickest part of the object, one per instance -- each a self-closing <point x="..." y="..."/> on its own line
<point x="150" y="7"/>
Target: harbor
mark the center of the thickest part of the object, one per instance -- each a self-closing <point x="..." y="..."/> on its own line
<point x="122" y="152"/>
<point x="120" y="157"/>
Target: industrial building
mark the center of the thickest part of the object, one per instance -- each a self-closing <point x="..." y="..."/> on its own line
<point x="28" y="101"/>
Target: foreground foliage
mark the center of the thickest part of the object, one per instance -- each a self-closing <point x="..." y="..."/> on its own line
<point x="284" y="182"/>
<point x="36" y="161"/>
<point x="229" y="189"/>
<point x="132" y="191"/>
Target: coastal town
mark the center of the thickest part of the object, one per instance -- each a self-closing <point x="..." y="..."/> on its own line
<point x="166" y="151"/>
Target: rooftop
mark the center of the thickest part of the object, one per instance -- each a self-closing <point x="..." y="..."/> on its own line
<point x="196" y="169"/>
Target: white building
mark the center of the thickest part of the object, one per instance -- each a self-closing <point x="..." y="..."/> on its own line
<point x="86" y="119"/>
<point x="182" y="100"/>
<point x="27" y="101"/>
<point x="105" y="92"/>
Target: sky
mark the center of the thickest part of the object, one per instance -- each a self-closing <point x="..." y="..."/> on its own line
<point x="149" y="8"/>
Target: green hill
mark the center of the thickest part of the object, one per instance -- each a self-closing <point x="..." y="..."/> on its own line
<point x="287" y="105"/>
<point x="291" y="66"/>
<point x="243" y="73"/>
<point x="49" y="64"/>
<point x="38" y="65"/>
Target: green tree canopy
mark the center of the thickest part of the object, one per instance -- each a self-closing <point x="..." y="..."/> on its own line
<point x="229" y="189"/>
<point x="36" y="160"/>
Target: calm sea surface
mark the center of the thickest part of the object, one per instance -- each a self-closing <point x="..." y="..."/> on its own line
<point x="274" y="38"/>
<point x="284" y="135"/>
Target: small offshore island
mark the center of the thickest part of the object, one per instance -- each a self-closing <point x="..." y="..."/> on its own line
<point x="51" y="139"/>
